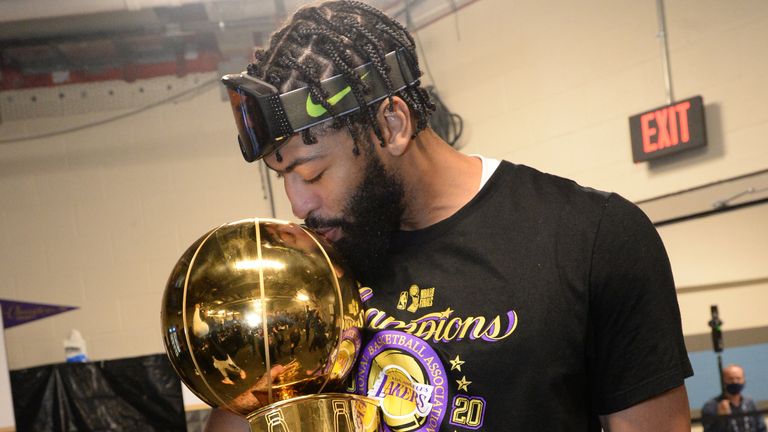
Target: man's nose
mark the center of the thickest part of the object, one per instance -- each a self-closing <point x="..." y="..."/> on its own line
<point x="302" y="198"/>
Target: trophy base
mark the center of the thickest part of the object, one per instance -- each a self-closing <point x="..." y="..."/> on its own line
<point x="334" y="412"/>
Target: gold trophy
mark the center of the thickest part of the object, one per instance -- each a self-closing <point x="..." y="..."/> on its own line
<point x="260" y="319"/>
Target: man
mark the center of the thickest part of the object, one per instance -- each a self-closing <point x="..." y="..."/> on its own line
<point x="501" y="297"/>
<point x="731" y="412"/>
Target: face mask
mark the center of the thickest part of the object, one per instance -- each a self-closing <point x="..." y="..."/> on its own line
<point x="734" y="388"/>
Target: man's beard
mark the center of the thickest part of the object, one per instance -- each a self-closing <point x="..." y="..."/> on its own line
<point x="371" y="215"/>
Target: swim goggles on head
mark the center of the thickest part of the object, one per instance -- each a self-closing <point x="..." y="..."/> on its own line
<point x="265" y="118"/>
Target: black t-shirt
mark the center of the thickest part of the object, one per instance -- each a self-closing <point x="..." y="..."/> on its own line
<point x="537" y="306"/>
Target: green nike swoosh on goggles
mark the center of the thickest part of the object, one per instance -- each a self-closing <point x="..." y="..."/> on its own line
<point x="265" y="118"/>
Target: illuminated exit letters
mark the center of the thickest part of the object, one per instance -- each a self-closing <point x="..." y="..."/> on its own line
<point x="668" y="129"/>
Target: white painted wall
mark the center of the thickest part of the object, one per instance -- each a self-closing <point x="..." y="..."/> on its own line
<point x="721" y="260"/>
<point x="552" y="84"/>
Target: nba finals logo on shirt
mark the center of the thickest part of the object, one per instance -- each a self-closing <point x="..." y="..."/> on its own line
<point x="407" y="377"/>
<point x="418" y="298"/>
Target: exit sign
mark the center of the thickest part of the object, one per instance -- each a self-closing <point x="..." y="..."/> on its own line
<point x="668" y="129"/>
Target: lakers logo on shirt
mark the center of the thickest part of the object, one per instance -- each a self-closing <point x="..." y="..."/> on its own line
<point x="401" y="396"/>
<point x="407" y="377"/>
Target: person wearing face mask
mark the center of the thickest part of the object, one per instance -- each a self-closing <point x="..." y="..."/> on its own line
<point x="731" y="412"/>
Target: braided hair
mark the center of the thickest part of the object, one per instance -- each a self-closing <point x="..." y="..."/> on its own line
<point x="334" y="38"/>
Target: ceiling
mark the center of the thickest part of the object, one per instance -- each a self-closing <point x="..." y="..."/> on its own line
<point x="52" y="42"/>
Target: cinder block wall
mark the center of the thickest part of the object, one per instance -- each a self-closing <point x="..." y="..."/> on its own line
<point x="552" y="85"/>
<point x="97" y="218"/>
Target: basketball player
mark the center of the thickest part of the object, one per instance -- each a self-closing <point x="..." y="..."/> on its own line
<point x="498" y="297"/>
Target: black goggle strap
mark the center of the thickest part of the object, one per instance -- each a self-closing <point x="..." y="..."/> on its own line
<point x="301" y="112"/>
<point x="277" y="119"/>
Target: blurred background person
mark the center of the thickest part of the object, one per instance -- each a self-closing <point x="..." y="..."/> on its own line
<point x="732" y="411"/>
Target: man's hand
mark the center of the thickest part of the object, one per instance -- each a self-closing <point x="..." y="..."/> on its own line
<point x="667" y="412"/>
<point x="724" y="407"/>
<point x="222" y="420"/>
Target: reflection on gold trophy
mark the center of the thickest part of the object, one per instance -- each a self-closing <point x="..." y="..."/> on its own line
<point x="258" y="318"/>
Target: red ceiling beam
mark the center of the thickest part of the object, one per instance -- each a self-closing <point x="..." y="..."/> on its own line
<point x="206" y="61"/>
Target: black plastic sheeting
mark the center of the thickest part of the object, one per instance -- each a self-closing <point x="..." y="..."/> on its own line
<point x="134" y="394"/>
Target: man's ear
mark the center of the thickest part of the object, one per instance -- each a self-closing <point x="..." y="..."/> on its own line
<point x="394" y="119"/>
